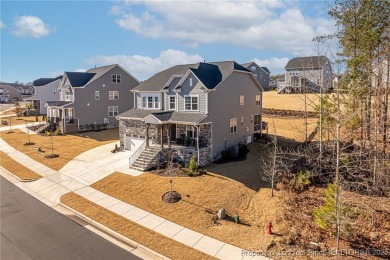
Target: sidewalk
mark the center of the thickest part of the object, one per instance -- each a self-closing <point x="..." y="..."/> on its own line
<point x="21" y="127"/>
<point x="54" y="184"/>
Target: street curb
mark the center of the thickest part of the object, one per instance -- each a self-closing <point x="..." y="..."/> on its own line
<point x="113" y="233"/>
<point x="19" y="179"/>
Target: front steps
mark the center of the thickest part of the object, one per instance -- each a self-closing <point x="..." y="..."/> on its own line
<point x="147" y="159"/>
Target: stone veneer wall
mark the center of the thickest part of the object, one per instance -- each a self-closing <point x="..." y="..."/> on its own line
<point x="137" y="127"/>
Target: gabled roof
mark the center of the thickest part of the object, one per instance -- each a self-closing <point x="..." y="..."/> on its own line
<point x="266" y="69"/>
<point x="209" y="73"/>
<point x="79" y="79"/>
<point x="163" y="116"/>
<point x="44" y="81"/>
<point x="99" y="71"/>
<point x="310" y="62"/>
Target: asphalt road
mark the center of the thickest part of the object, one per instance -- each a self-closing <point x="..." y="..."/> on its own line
<point x="32" y="230"/>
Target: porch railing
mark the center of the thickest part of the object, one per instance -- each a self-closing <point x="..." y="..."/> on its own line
<point x="137" y="154"/>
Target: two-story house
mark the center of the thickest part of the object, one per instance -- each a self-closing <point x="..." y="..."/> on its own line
<point x="45" y="89"/>
<point x="307" y="74"/>
<point x="201" y="109"/>
<point x="261" y="73"/>
<point x="92" y="99"/>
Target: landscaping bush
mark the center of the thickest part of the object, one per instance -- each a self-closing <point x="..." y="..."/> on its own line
<point x="48" y="133"/>
<point x="87" y="126"/>
<point x="302" y="181"/>
<point x="226" y="155"/>
<point x="58" y="132"/>
<point x="187" y="141"/>
<point x="98" y="127"/>
<point x="242" y="150"/>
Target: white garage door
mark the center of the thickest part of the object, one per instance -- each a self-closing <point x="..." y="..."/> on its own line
<point x="133" y="142"/>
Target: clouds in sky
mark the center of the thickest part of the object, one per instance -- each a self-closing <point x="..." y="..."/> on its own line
<point x="143" y="67"/>
<point x="30" y="27"/>
<point x="2" y="25"/>
<point x="273" y="64"/>
<point x="265" y="25"/>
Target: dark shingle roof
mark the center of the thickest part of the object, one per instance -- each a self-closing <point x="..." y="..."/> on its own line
<point x="44" y="81"/>
<point x="79" y="79"/>
<point x="311" y="62"/>
<point x="164" y="116"/>
<point x="208" y="74"/>
<point x="266" y="69"/>
<point x="58" y="103"/>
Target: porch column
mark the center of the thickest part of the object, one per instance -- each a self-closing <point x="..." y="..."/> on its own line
<point x="169" y="135"/>
<point x="147" y="135"/>
<point x="197" y="142"/>
<point x="161" y="136"/>
<point x="63" y="121"/>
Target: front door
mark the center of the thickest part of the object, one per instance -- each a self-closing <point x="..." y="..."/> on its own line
<point x="173" y="133"/>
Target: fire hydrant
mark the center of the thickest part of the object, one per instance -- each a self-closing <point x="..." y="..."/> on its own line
<point x="269" y="226"/>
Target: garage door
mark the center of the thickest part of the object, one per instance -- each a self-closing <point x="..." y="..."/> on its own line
<point x="132" y="142"/>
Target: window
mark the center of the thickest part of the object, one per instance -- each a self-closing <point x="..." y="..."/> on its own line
<point x="253" y="68"/>
<point x="251" y="118"/>
<point x="105" y="121"/>
<point x="113" y="95"/>
<point x="97" y="95"/>
<point x="190" y="82"/>
<point x="242" y="100"/>
<point x="191" y="131"/>
<point x="150" y="102"/>
<point x="242" y="120"/>
<point x="172" y="102"/>
<point x="233" y="125"/>
<point x="257" y="121"/>
<point x="112" y="111"/>
<point x="258" y="100"/>
<point x="116" y="78"/>
<point x="191" y="103"/>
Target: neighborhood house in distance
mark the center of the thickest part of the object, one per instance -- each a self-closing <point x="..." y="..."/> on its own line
<point x="202" y="109"/>
<point x="11" y="92"/>
<point x="91" y="99"/>
<point x="306" y="74"/>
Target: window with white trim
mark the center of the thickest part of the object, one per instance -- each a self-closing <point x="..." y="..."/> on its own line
<point x="143" y="102"/>
<point x="112" y="111"/>
<point x="97" y="95"/>
<point x="172" y="102"/>
<point x="150" y="102"/>
<point x="251" y="118"/>
<point x="257" y="121"/>
<point x="258" y="100"/>
<point x="190" y="82"/>
<point x="242" y="100"/>
<point x="116" y="78"/>
<point x="242" y="120"/>
<point x="191" y="131"/>
<point x="253" y="68"/>
<point x="191" y="103"/>
<point x="233" y="125"/>
<point x="113" y="95"/>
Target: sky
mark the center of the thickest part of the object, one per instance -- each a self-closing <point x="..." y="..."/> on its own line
<point x="45" y="38"/>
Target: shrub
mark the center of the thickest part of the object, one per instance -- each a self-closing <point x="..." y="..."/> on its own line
<point x="193" y="166"/>
<point x="98" y="127"/>
<point x="58" y="131"/>
<point x="242" y="150"/>
<point x="87" y="126"/>
<point x="105" y="125"/>
<point x="226" y="155"/>
<point x="303" y="180"/>
<point x="43" y="118"/>
<point x="187" y="141"/>
<point x="48" y="133"/>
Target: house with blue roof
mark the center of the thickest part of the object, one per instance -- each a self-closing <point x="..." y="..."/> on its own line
<point x="198" y="109"/>
<point x="92" y="99"/>
<point x="45" y="89"/>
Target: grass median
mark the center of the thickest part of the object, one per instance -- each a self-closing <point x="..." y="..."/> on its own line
<point x="17" y="169"/>
<point x="151" y="239"/>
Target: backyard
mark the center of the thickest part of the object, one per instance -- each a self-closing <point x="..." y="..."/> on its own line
<point x="271" y="99"/>
<point x="66" y="146"/>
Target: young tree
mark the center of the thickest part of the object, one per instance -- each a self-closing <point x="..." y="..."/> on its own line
<point x="18" y="110"/>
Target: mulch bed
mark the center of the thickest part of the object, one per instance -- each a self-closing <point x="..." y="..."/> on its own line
<point x="174" y="172"/>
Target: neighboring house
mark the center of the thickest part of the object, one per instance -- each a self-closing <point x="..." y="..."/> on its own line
<point x="92" y="99"/>
<point x="202" y="109"/>
<point x="45" y="89"/>
<point x="9" y="94"/>
<point x="307" y="74"/>
<point x="261" y="73"/>
<point x="280" y="81"/>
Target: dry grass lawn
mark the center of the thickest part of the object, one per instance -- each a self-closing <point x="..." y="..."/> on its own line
<point x="66" y="146"/>
<point x="201" y="198"/>
<point x="290" y="128"/>
<point x="17" y="169"/>
<point x="153" y="240"/>
<point x="21" y="120"/>
<point x="271" y="99"/>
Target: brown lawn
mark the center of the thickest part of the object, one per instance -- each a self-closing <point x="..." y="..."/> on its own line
<point x="290" y="128"/>
<point x="153" y="240"/>
<point x="17" y="169"/>
<point x="201" y="198"/>
<point x="21" y="120"/>
<point x="66" y="146"/>
<point x="271" y="99"/>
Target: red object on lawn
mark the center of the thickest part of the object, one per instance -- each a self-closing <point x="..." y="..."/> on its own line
<point x="269" y="226"/>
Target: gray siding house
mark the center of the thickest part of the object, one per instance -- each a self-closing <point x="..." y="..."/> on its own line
<point x="45" y="89"/>
<point x="307" y="74"/>
<point x="199" y="109"/>
<point x="262" y="74"/>
<point x="11" y="92"/>
<point x="92" y="99"/>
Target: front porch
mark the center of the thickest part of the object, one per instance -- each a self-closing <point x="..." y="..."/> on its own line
<point x="187" y="139"/>
<point x="62" y="117"/>
<point x="33" y="107"/>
